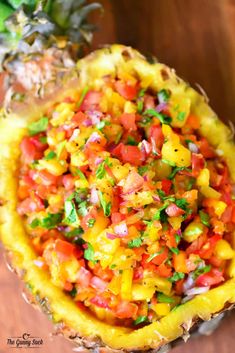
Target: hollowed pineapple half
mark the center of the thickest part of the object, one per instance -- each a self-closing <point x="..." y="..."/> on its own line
<point x="86" y="328"/>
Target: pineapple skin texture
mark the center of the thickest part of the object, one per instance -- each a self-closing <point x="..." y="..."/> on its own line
<point x="87" y="330"/>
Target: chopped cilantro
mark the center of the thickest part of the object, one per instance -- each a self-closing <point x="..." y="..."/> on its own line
<point x="43" y="139"/>
<point x="176" y="277"/>
<point x="131" y="141"/>
<point x="141" y="93"/>
<point x="164" y="119"/>
<point x="172" y="164"/>
<point x="190" y="184"/>
<point x="205" y="218"/>
<point x="83" y="94"/>
<point x="38" y="126"/>
<point x="175" y="250"/>
<point x="102" y="124"/>
<point x="50" y="155"/>
<point x="89" y="253"/>
<point x="135" y="243"/>
<point x="113" y="266"/>
<point x="101" y="171"/>
<point x="71" y="216"/>
<point x="163" y="96"/>
<point x="105" y="205"/>
<point x="35" y="223"/>
<point x="48" y="222"/>
<point x="165" y="197"/>
<point x="82" y="208"/>
<point x="177" y="238"/>
<point x="140" y="320"/>
<point x="140" y="106"/>
<point x="182" y="203"/>
<point x="162" y="298"/>
<point x="74" y="233"/>
<point x="73" y="292"/>
<point x="142" y="169"/>
<point x="60" y="148"/>
<point x="201" y="270"/>
<point x="91" y="222"/>
<point x="176" y="170"/>
<point x="79" y="173"/>
<point x="181" y="116"/>
<point x="160" y="215"/>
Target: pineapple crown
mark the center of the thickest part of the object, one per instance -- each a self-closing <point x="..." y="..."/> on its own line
<point x="29" y="26"/>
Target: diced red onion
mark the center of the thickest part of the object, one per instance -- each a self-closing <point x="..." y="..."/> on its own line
<point x="121" y="229"/>
<point x="154" y="147"/>
<point x="39" y="263"/>
<point x="94" y="198"/>
<point x="186" y="299"/>
<point x="87" y="122"/>
<point x="189" y="283"/>
<point x="160" y="107"/>
<point x="95" y="137"/>
<point x="84" y="277"/>
<point x="156" y="198"/>
<point x="98" y="284"/>
<point x="197" y="290"/>
<point x="146" y="146"/>
<point x="98" y="160"/>
<point x="193" y="147"/>
<point x="111" y="236"/>
<point x="95" y="116"/>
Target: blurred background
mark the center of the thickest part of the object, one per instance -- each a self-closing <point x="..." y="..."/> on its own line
<point x="197" y="39"/>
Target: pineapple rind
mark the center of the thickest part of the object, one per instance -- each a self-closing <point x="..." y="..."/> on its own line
<point x="95" y="333"/>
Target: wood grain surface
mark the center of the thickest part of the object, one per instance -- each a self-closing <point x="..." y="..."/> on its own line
<point x="196" y="37"/>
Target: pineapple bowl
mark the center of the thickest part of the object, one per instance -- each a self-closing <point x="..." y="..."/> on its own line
<point x="117" y="205"/>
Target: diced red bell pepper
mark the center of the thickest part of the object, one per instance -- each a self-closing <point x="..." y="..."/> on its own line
<point x="166" y="186"/>
<point x="31" y="204"/>
<point x="156" y="133"/>
<point x="126" y="310"/>
<point x="91" y="101"/>
<point x="128" y="154"/>
<point x="205" y="148"/>
<point x="128" y="121"/>
<point x="126" y="90"/>
<point x="164" y="271"/>
<point x="198" y="163"/>
<point x="209" y="279"/>
<point x="100" y="301"/>
<point x="159" y="259"/>
<point x="207" y="249"/>
<point x="64" y="248"/>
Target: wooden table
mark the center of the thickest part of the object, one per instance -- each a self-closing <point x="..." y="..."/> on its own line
<point x="195" y="37"/>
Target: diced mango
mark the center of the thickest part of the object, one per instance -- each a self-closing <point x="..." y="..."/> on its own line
<point x="126" y="284"/>
<point x="173" y="151"/>
<point x="193" y="231"/>
<point x="162" y="170"/>
<point x="175" y="222"/>
<point x="115" y="285"/>
<point x="140" y="292"/>
<point x="54" y="166"/>
<point x="203" y="178"/>
<point x="161" y="309"/>
<point x="223" y="250"/>
<point x="129" y="107"/>
<point x="160" y="283"/>
<point x="209" y="192"/>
